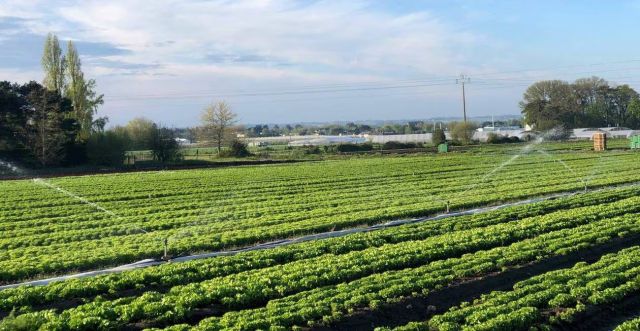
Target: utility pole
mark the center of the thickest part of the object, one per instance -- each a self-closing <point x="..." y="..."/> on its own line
<point x="462" y="80"/>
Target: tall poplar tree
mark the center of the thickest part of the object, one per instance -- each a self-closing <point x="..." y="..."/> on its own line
<point x="53" y="65"/>
<point x="81" y="92"/>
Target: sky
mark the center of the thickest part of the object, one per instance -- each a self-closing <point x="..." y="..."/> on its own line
<point x="322" y="61"/>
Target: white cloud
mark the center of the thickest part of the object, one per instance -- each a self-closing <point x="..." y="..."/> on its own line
<point x="326" y="35"/>
<point x="20" y="76"/>
<point x="223" y="45"/>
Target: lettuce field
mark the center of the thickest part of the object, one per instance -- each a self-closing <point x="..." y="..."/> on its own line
<point x="559" y="263"/>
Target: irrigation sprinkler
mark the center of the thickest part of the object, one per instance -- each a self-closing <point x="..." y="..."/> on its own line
<point x="446" y="204"/>
<point x="165" y="257"/>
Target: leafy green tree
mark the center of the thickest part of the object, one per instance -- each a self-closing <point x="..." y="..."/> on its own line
<point x="634" y="113"/>
<point x="12" y="116"/>
<point x="548" y="104"/>
<point x="107" y="148"/>
<point x="590" y="102"/>
<point x="141" y="132"/>
<point x="164" y="146"/>
<point x="47" y="130"/>
<point x="35" y="124"/>
<point x="99" y="124"/>
<point x="622" y="96"/>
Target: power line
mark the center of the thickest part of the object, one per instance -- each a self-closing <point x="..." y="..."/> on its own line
<point x="275" y="93"/>
<point x="558" y="67"/>
<point x="370" y="86"/>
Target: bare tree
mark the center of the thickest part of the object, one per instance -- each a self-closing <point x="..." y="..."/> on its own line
<point x="217" y="122"/>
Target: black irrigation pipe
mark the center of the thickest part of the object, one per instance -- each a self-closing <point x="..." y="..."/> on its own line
<point x="318" y="236"/>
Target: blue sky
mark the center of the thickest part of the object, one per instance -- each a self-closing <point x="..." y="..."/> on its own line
<point x="308" y="61"/>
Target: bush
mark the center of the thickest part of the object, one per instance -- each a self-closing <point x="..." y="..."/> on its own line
<point x="164" y="146"/>
<point x="237" y="148"/>
<point x="346" y="148"/>
<point x="312" y="150"/>
<point x="438" y="137"/>
<point x="493" y="138"/>
<point x="463" y="132"/>
<point x="107" y="148"/>
<point x="399" y="145"/>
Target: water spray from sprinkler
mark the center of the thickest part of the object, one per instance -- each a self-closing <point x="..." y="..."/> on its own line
<point x="43" y="182"/>
<point x="13" y="168"/>
<point x="595" y="170"/>
<point x="564" y="164"/>
<point x="525" y="150"/>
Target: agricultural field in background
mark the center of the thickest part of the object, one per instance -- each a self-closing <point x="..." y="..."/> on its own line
<point x="547" y="264"/>
<point x="284" y="152"/>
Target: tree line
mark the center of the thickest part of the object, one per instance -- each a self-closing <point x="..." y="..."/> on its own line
<point x="50" y="123"/>
<point x="352" y="128"/>
<point x="54" y="123"/>
<point x="587" y="102"/>
<point x="218" y="129"/>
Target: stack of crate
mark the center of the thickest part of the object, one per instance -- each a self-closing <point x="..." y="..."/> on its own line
<point x="599" y="141"/>
<point x="635" y="142"/>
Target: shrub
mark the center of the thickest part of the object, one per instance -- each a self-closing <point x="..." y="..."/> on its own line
<point x="237" y="148"/>
<point x="107" y="148"/>
<point x="493" y="138"/>
<point x="438" y="137"/>
<point x="345" y="148"/>
<point x="312" y="150"/>
<point x="399" y="145"/>
<point x="462" y="132"/>
<point x="164" y="146"/>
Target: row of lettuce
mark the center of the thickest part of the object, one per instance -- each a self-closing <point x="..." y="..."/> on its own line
<point x="201" y="212"/>
<point x="330" y="303"/>
<point x="322" y="281"/>
<point x="198" y="270"/>
<point x="630" y="325"/>
<point x="549" y="300"/>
